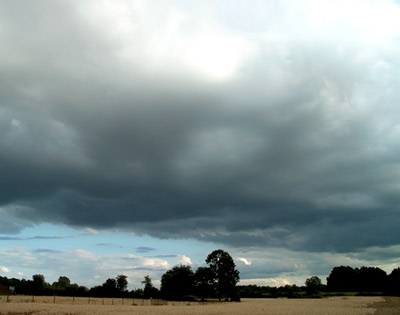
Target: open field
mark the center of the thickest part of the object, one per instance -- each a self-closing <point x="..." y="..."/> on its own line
<point x="332" y="305"/>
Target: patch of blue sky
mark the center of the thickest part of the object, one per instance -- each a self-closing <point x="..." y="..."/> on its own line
<point x="59" y="237"/>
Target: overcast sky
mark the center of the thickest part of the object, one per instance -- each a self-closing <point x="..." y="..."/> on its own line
<point x="137" y="135"/>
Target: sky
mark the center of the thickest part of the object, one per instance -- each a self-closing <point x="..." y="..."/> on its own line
<point x="138" y="135"/>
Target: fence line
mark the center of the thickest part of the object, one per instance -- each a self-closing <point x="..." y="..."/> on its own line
<point x="94" y="300"/>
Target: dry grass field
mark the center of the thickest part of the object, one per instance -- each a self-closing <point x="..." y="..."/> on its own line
<point x="96" y="306"/>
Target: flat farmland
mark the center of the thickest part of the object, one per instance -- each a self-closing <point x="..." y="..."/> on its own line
<point x="78" y="306"/>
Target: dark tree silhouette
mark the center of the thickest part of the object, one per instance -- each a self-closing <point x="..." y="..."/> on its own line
<point x="63" y="282"/>
<point x="313" y="285"/>
<point x="203" y="282"/>
<point x="225" y="274"/>
<point x="364" y="279"/>
<point x="342" y="279"/>
<point x="149" y="290"/>
<point x="38" y="280"/>
<point x="177" y="283"/>
<point x="394" y="282"/>
<point x="371" y="279"/>
<point x="122" y="283"/>
<point x="110" y="287"/>
<point x="37" y="285"/>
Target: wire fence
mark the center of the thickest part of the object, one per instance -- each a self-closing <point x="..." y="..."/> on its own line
<point x="68" y="300"/>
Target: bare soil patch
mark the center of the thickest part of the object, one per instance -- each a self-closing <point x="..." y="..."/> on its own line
<point x="390" y="306"/>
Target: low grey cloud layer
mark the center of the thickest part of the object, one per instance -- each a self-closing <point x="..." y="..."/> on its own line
<point x="267" y="126"/>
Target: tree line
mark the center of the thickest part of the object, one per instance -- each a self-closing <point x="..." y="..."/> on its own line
<point x="217" y="280"/>
<point x="342" y="280"/>
<point x="364" y="279"/>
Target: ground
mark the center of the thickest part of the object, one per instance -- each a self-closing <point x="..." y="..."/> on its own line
<point x="83" y="306"/>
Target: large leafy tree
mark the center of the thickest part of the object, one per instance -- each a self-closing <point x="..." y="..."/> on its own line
<point x="225" y="274"/>
<point x="177" y="283"/>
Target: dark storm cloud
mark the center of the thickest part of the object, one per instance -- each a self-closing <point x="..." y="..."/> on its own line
<point x="294" y="151"/>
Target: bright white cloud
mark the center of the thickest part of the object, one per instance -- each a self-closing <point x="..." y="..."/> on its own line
<point x="170" y="38"/>
<point x="244" y="260"/>
<point x="155" y="263"/>
<point x="375" y="20"/>
<point x="4" y="269"/>
<point x="217" y="55"/>
<point x="184" y="260"/>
